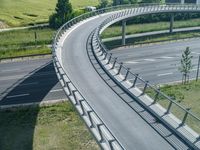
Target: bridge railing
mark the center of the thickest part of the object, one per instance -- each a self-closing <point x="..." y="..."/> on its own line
<point x="185" y="115"/>
<point x="102" y="134"/>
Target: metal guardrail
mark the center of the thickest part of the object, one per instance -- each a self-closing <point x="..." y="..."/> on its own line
<point x="170" y="104"/>
<point x="103" y="135"/>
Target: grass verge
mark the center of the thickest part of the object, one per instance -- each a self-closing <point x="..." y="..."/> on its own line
<point x="186" y="95"/>
<point x="44" y="128"/>
<point x="24" y="52"/>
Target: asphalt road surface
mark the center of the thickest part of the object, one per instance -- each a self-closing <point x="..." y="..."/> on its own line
<point x="159" y="63"/>
<point x="29" y="81"/>
<point x="124" y="122"/>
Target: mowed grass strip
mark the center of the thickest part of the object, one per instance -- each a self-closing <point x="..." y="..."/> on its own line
<point x="24" y="52"/>
<point x="49" y="127"/>
<point x="187" y="95"/>
<point x="25" y="12"/>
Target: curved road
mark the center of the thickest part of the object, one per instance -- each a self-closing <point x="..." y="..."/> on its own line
<point x="124" y="122"/>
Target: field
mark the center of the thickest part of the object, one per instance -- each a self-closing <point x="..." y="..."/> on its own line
<point x="49" y="127"/>
<point x="28" y="12"/>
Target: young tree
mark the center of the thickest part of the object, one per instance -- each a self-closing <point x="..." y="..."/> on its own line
<point x="186" y="65"/>
<point x="63" y="13"/>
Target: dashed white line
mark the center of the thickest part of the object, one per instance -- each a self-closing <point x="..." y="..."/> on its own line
<point x="166" y="57"/>
<point x="57" y="90"/>
<point x="20" y="95"/>
<point x="165" y="74"/>
<point x="149" y="59"/>
<point x="195" y="53"/>
<point x="131" y="62"/>
<point x="9" y="70"/>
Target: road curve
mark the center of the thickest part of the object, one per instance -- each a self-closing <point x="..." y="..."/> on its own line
<point x="129" y="128"/>
<point x="126" y="125"/>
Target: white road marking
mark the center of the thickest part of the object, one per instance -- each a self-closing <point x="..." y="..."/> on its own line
<point x="149" y="59"/>
<point x="195" y="53"/>
<point x="165" y="74"/>
<point x="32" y="83"/>
<point x="131" y="62"/>
<point x="9" y="70"/>
<point x="57" y="90"/>
<point x="195" y="69"/>
<point x="166" y="57"/>
<point x="20" y="95"/>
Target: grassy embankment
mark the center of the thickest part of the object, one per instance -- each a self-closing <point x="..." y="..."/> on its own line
<point x="27" y="12"/>
<point x="186" y="95"/>
<point x="22" y="42"/>
<point x="48" y="127"/>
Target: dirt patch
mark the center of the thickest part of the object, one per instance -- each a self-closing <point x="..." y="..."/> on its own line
<point x="3" y="25"/>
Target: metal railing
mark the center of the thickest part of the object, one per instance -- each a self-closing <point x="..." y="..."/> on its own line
<point x="171" y="105"/>
<point x="103" y="135"/>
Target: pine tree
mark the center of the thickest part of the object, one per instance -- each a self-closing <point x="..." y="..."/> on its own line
<point x="186" y="65"/>
<point x="63" y="13"/>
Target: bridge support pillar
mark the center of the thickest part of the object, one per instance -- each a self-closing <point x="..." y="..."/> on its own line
<point x="171" y="23"/>
<point x="197" y="2"/>
<point x="182" y="1"/>
<point x="123" y="32"/>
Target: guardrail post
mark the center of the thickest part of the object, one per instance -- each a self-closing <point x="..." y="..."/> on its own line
<point x="127" y="72"/>
<point x="105" y="56"/>
<point x="90" y="118"/>
<point x="110" y="144"/>
<point x="74" y="95"/>
<point x="145" y="87"/>
<point x="115" y="60"/>
<point x="67" y="84"/>
<point x="100" y="132"/>
<point x="109" y="59"/>
<point x="134" y="82"/>
<point x="82" y="107"/>
<point x="156" y="96"/>
<point x="185" y="116"/>
<point x="120" y="67"/>
<point x="169" y="107"/>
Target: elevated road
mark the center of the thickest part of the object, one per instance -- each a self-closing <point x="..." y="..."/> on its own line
<point x="131" y="125"/>
<point x="120" y="118"/>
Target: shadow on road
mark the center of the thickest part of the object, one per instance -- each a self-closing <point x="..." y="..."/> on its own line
<point x="17" y="125"/>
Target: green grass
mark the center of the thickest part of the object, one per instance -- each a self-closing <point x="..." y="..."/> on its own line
<point x="24" y="52"/>
<point x="113" y="31"/>
<point x="186" y="95"/>
<point x="46" y="128"/>
<point x="24" y="12"/>
<point x="19" y="39"/>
